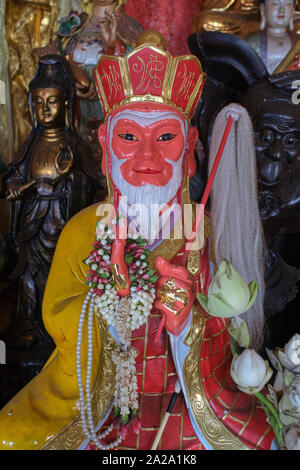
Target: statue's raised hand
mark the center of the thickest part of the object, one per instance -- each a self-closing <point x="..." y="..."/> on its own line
<point x="175" y="295"/>
<point x="109" y="29"/>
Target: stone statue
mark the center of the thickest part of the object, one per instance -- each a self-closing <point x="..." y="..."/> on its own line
<point x="82" y="39"/>
<point x="53" y="177"/>
<point x="276" y="38"/>
<point x="126" y="322"/>
<point x="27" y="24"/>
<point x="236" y="73"/>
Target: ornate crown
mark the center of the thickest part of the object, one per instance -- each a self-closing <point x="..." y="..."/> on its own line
<point x="149" y="74"/>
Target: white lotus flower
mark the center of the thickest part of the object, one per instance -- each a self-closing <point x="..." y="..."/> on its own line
<point x="287" y="358"/>
<point x="289" y="411"/>
<point x="228" y="295"/>
<point x="293" y="392"/>
<point x="279" y="384"/>
<point x="250" y="371"/>
<point x="290" y="356"/>
<point x="291" y="436"/>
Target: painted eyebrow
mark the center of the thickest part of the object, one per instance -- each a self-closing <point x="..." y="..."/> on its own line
<point x="130" y="122"/>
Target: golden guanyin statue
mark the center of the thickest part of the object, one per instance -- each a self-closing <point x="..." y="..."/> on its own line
<point x="239" y="17"/>
<point x="53" y="176"/>
<point x="120" y="301"/>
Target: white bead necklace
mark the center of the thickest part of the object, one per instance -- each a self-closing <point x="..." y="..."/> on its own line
<point x="125" y="314"/>
<point x="86" y="407"/>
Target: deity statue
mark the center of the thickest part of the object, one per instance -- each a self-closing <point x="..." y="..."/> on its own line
<point x="276" y="125"/>
<point x="236" y="73"/>
<point x="28" y="24"/>
<point x="276" y="41"/>
<point x="82" y="39"/>
<point x="120" y="301"/>
<point x="53" y="177"/>
<point x="239" y="17"/>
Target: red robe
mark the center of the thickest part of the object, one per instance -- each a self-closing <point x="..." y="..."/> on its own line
<point x="156" y="378"/>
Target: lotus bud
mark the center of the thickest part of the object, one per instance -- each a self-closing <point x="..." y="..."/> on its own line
<point x="239" y="331"/>
<point x="290" y="356"/>
<point x="289" y="412"/>
<point x="250" y="371"/>
<point x="228" y="295"/>
<point x="293" y="392"/>
<point x="279" y="384"/>
<point x="291" y="436"/>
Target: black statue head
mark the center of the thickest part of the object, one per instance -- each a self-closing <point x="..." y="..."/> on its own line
<point x="53" y="72"/>
<point x="273" y="106"/>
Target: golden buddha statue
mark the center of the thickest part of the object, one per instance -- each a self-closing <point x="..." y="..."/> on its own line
<point x="238" y="17"/>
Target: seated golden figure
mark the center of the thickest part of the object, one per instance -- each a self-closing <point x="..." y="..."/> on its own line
<point x="239" y="17"/>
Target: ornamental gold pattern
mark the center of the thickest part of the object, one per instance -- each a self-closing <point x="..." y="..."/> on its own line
<point x="119" y="279"/>
<point x="211" y="428"/>
<point x="170" y="293"/>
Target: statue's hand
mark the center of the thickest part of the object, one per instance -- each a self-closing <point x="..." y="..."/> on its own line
<point x="175" y="295"/>
<point x="87" y="94"/>
<point x="13" y="193"/>
<point x="16" y="192"/>
<point x="269" y="204"/>
<point x="109" y="29"/>
<point x="84" y="85"/>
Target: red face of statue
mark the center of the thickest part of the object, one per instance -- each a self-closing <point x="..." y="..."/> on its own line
<point x="147" y="144"/>
<point x="147" y="149"/>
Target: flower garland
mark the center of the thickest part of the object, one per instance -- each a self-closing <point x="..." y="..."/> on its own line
<point x="125" y="314"/>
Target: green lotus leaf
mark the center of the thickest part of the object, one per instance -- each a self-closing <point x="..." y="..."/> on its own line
<point x="288" y="377"/>
<point x="241" y="334"/>
<point x="274" y="359"/>
<point x="253" y="288"/>
<point x="202" y="300"/>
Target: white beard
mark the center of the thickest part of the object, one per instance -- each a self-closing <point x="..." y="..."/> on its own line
<point x="145" y="202"/>
<point x="149" y="193"/>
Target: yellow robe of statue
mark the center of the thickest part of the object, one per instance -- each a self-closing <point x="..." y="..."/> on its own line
<point x="48" y="403"/>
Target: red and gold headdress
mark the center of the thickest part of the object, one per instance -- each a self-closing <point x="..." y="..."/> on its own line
<point x="149" y="74"/>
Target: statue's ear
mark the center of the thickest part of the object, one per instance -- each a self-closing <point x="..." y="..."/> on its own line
<point x="32" y="112"/>
<point x="102" y="140"/>
<point x="192" y="141"/>
<point x="263" y="17"/>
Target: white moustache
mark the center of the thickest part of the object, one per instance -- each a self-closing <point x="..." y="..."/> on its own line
<point x="147" y="193"/>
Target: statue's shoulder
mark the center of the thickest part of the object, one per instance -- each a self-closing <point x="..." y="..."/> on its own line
<point x="79" y="232"/>
<point x="255" y="39"/>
